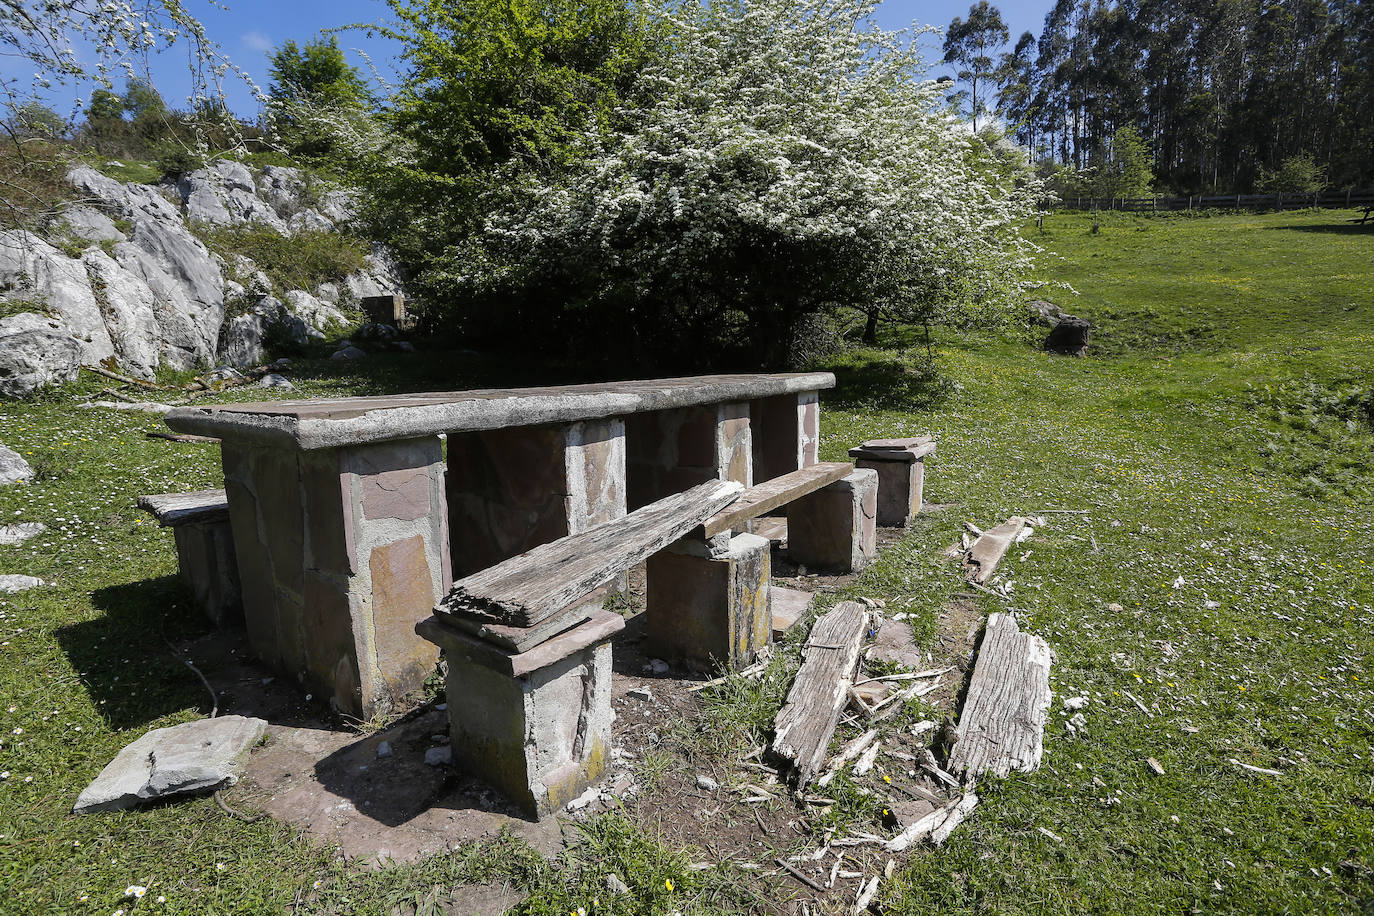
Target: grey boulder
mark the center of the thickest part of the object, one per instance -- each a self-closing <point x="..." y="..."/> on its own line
<point x="35" y="351"/>
<point x="195" y="757"/>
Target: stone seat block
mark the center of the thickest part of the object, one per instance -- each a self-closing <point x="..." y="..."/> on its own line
<point x="535" y="725"/>
<point x="900" y="465"/>
<point x="835" y="529"/>
<point x="708" y="603"/>
<point x="205" y="549"/>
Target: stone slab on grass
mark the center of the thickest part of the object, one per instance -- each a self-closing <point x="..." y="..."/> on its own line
<point x="789" y="606"/>
<point x="19" y="533"/>
<point x="13" y="468"/>
<point x="896" y="646"/>
<point x="10" y="584"/>
<point x="193" y="757"/>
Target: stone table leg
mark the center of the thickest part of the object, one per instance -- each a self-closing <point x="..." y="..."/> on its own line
<point x="341" y="552"/>
<point x="510" y="490"/>
<point x="785" y="434"/>
<point x="669" y="451"/>
<point x="835" y="528"/>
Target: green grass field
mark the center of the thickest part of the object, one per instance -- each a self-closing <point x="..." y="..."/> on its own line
<point x="1218" y="451"/>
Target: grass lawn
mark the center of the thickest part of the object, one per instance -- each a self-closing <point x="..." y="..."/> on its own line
<point x="1217" y="450"/>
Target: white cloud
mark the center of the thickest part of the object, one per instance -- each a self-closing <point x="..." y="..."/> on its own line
<point x="257" y="42"/>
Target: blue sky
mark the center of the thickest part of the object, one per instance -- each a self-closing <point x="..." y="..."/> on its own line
<point x="249" y="30"/>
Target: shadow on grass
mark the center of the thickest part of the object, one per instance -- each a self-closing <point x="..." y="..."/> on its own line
<point x="1342" y="228"/>
<point x="124" y="657"/>
<point x="887" y="380"/>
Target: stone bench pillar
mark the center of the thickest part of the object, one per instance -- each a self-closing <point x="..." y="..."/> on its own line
<point x="536" y="725"/>
<point x="205" y="550"/>
<point x="901" y="478"/>
<point x="786" y="435"/>
<point x="835" y="528"/>
<point x="511" y="490"/>
<point x="341" y="552"/>
<point x="708" y="602"/>
<point x="669" y="451"/>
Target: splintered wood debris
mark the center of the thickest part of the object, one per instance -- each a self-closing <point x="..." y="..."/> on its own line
<point x="806" y="722"/>
<point x="1002" y="724"/>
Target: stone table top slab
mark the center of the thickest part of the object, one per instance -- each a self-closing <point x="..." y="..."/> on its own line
<point x="333" y="422"/>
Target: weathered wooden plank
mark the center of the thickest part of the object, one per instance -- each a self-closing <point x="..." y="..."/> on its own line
<point x="987" y="552"/>
<point x="1002" y="724"/>
<point x="172" y="509"/>
<point x="805" y="724"/>
<point x="771" y="494"/>
<point x="527" y="589"/>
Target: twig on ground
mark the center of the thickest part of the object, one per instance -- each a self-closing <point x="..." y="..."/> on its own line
<point x="814" y="885"/>
<point x="224" y="806"/>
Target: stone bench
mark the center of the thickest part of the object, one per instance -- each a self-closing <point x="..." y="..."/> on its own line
<point x="205" y="549"/>
<point x="529" y="654"/>
<point x="709" y="601"/>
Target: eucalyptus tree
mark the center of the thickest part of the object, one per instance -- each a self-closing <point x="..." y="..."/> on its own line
<point x="973" y="44"/>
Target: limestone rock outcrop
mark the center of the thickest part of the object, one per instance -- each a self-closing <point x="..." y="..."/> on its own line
<point x="120" y="274"/>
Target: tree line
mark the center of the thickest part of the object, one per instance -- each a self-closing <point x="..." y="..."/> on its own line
<point x="1225" y="96"/>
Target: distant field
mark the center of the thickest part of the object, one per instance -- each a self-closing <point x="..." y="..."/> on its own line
<point x="1217" y="455"/>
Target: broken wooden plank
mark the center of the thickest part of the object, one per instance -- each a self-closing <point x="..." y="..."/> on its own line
<point x="806" y="722"/>
<point x="771" y="494"/>
<point x="1002" y="723"/>
<point x="529" y="588"/>
<point x="992" y="545"/>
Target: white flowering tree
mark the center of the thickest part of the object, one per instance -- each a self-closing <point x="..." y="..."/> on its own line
<point x="780" y="161"/>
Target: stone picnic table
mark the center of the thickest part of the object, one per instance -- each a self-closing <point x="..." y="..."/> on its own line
<point x="351" y="517"/>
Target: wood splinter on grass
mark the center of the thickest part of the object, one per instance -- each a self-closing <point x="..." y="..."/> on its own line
<point x="992" y="545"/>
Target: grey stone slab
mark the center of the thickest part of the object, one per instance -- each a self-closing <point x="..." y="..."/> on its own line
<point x="13" y="467"/>
<point x="789" y="606"/>
<point x="193" y="757"/>
<point x="600" y="626"/>
<point x="10" y="584"/>
<point x="18" y="534"/>
<point x="334" y="422"/>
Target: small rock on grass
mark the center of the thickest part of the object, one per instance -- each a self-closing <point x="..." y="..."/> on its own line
<point x="615" y="886"/>
<point x="707" y="783"/>
<point x="13" y="468"/>
<point x="18" y="534"/>
<point x="1155" y="766"/>
<point x="10" y="584"/>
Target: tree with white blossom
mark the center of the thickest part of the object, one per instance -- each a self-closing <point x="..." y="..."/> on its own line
<point x="779" y="164"/>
